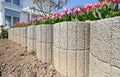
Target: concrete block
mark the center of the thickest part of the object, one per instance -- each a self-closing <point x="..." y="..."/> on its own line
<point x="28" y="32"/>
<point x="72" y="61"/>
<point x="115" y="44"/>
<point x="63" y="62"/>
<point x="115" y="72"/>
<point x="34" y="44"/>
<point x="57" y="59"/>
<point x="98" y="68"/>
<point x="56" y="31"/>
<point x="80" y="36"/>
<point x="39" y="33"/>
<point x="100" y="39"/>
<point x="72" y="35"/>
<point x="25" y="32"/>
<point x="49" y="52"/>
<point x="49" y="33"/>
<point x="80" y="71"/>
<point x="64" y="35"/>
<point x="30" y="45"/>
<point x="32" y="32"/>
<point x="38" y="50"/>
<point x="44" y="52"/>
<point x="44" y="33"/>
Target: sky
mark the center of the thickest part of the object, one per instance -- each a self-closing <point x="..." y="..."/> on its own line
<point x="79" y="2"/>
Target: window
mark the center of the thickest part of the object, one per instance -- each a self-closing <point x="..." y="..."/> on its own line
<point x="8" y="20"/>
<point x="16" y="2"/>
<point x="8" y="1"/>
<point x="15" y="20"/>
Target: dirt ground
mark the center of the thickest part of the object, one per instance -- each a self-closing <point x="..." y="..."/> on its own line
<point x="16" y="62"/>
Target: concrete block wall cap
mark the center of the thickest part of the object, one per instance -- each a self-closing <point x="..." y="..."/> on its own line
<point x="56" y="24"/>
<point x="46" y="25"/>
<point x="107" y="19"/>
<point x="66" y="22"/>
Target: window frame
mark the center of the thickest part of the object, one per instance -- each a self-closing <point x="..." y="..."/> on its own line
<point x="8" y="2"/>
<point x="15" y="3"/>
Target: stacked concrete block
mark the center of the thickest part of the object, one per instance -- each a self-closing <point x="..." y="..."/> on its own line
<point x="31" y="46"/>
<point x="71" y="48"/>
<point x="25" y="37"/>
<point x="10" y="33"/>
<point x="105" y="48"/>
<point x="44" y="41"/>
<point x="18" y="35"/>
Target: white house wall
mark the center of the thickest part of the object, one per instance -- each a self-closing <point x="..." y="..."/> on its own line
<point x="24" y="16"/>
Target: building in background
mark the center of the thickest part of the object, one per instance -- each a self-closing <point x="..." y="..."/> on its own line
<point x="13" y="11"/>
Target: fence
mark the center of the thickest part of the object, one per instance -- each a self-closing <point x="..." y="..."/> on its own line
<point x="77" y="49"/>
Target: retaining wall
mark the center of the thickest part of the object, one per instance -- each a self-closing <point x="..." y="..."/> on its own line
<point x="105" y="48"/>
<point x="44" y="42"/>
<point x="77" y="49"/>
<point x="71" y="48"/>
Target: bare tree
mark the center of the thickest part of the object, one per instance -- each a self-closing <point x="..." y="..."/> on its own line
<point x="48" y="6"/>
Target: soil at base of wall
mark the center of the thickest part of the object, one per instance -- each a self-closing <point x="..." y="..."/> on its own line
<point x="16" y="62"/>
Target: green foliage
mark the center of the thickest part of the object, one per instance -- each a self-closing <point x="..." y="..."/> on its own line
<point x="33" y="52"/>
<point x="4" y="33"/>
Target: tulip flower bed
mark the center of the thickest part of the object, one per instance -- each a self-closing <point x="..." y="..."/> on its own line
<point x="89" y="12"/>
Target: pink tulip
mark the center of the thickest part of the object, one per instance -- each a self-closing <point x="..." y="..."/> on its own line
<point x="34" y="19"/>
<point x="72" y="8"/>
<point x="85" y="7"/>
<point x="28" y="22"/>
<point x="68" y="13"/>
<point x="117" y="1"/>
<point x="65" y="10"/>
<point x="60" y="15"/>
<point x="108" y="0"/>
<point x="77" y="10"/>
<point x="89" y="6"/>
<point x="38" y="19"/>
<point x="97" y="4"/>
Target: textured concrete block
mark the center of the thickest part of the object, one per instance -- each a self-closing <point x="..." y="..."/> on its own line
<point x="87" y="35"/>
<point x="80" y="71"/>
<point x="115" y="72"/>
<point x="49" y="33"/>
<point x="115" y="44"/>
<point x="72" y="63"/>
<point x="28" y="32"/>
<point x="38" y="50"/>
<point x="49" y="52"/>
<point x="63" y="62"/>
<point x="63" y="35"/>
<point x="72" y="36"/>
<point x="30" y="45"/>
<point x="56" y="31"/>
<point x="44" y="52"/>
<point x="32" y="32"/>
<point x="34" y="44"/>
<point x="39" y="33"/>
<point x="80" y="36"/>
<point x="57" y="59"/>
<point x="100" y="39"/>
<point x="98" y="68"/>
<point x="44" y="33"/>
